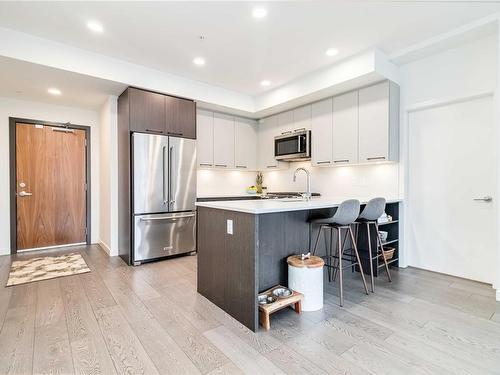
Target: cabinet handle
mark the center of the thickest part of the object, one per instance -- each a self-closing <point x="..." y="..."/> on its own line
<point x="324" y="162"/>
<point x="241" y="166"/>
<point x="271" y="166"/>
<point x="288" y="132"/>
<point x="172" y="133"/>
<point x="205" y="165"/>
<point x="377" y="158"/>
<point x="154" y="131"/>
<point x="299" y="130"/>
<point x="341" y="161"/>
<point x="221" y="165"/>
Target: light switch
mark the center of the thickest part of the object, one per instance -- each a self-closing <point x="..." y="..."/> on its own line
<point x="229" y="227"/>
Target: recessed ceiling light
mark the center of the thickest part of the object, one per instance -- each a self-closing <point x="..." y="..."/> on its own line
<point x="200" y="61"/>
<point x="332" y="52"/>
<point x="95" y="26"/>
<point x="265" y="82"/>
<point x="259" y="12"/>
<point x="54" y="91"/>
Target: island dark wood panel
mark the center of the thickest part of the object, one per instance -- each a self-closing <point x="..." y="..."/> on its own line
<point x="227" y="263"/>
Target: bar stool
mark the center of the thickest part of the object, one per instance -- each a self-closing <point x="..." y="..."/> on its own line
<point x="345" y="215"/>
<point x="372" y="211"/>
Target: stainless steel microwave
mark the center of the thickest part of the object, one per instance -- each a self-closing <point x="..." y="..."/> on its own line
<point x="293" y="146"/>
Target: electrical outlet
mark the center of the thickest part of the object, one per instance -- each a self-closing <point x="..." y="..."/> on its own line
<point x="229" y="227"/>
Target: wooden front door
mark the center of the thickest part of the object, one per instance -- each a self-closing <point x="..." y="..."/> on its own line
<point x="50" y="186"/>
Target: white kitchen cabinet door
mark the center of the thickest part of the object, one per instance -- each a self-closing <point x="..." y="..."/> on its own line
<point x="321" y="126"/>
<point x="223" y="141"/>
<point x="302" y="118"/>
<point x="345" y="129"/>
<point x="204" y="138"/>
<point x="285" y="123"/>
<point x="374" y="123"/>
<point x="245" y="144"/>
<point x="268" y="128"/>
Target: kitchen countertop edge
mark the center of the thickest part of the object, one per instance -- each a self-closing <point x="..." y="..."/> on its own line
<point x="273" y="205"/>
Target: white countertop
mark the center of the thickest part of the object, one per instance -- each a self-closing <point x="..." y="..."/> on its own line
<point x="264" y="206"/>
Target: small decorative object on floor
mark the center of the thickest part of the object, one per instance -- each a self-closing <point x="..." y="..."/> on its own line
<point x="259" y="181"/>
<point x="266" y="309"/>
<point x="44" y="268"/>
<point x="305" y="275"/>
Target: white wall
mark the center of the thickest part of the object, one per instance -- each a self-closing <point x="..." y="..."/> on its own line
<point x="108" y="218"/>
<point x="44" y="112"/>
<point x="463" y="71"/>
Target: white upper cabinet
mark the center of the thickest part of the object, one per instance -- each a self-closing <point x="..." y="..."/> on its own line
<point x="245" y="144"/>
<point x="268" y="129"/>
<point x="223" y="141"/>
<point x="322" y="130"/>
<point x="379" y="122"/>
<point x="285" y="123"/>
<point x="302" y="118"/>
<point x="345" y="129"/>
<point x="205" y="138"/>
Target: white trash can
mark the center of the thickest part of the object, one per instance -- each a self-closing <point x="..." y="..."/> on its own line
<point x="306" y="277"/>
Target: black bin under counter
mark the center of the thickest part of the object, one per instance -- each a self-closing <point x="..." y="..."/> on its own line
<point x="234" y="267"/>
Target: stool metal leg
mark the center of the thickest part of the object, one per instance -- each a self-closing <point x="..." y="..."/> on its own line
<point x="341" y="277"/>
<point x="383" y="255"/>
<point x="317" y="240"/>
<point x="370" y="256"/>
<point x="358" y="259"/>
<point x="330" y="258"/>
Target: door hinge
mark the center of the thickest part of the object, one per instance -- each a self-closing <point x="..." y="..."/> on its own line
<point x="86" y="186"/>
<point x="85" y="142"/>
<point x="86" y="232"/>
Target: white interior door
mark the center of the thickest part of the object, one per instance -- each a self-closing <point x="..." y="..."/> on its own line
<point x="452" y="161"/>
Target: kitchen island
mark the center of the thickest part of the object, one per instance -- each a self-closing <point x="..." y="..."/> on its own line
<point x="243" y="246"/>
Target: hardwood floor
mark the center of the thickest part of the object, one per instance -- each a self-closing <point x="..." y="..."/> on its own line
<point x="150" y="320"/>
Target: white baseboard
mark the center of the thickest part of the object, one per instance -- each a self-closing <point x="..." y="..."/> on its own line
<point x="105" y="247"/>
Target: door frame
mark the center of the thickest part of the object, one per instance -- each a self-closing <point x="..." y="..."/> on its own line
<point x="13" y="177"/>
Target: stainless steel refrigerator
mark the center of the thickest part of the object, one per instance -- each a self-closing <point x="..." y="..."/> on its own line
<point x="163" y="196"/>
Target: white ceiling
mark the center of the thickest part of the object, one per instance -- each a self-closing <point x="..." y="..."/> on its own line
<point x="240" y="51"/>
<point x="27" y="81"/>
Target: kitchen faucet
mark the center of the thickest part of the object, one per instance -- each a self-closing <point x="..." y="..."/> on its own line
<point x="307" y="194"/>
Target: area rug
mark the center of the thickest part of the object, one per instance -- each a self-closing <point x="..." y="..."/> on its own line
<point x="43" y="268"/>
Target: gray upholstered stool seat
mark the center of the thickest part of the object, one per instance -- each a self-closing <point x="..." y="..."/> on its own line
<point x="346" y="214"/>
<point x="369" y="216"/>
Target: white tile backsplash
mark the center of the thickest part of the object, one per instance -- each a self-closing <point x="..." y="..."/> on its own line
<point x="357" y="181"/>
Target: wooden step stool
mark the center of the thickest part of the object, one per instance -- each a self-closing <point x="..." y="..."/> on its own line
<point x="266" y="310"/>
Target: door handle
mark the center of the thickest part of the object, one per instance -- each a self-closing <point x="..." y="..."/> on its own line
<point x="170" y="218"/>
<point x="484" y="199"/>
<point x="24" y="194"/>
<point x="164" y="187"/>
<point x="171" y="186"/>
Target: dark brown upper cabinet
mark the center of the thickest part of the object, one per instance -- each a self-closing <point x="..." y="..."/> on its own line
<point x="180" y="117"/>
<point x="147" y="111"/>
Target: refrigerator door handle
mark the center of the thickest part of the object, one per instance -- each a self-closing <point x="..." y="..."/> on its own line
<point x="171" y="180"/>
<point x="170" y="218"/>
<point x="164" y="190"/>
